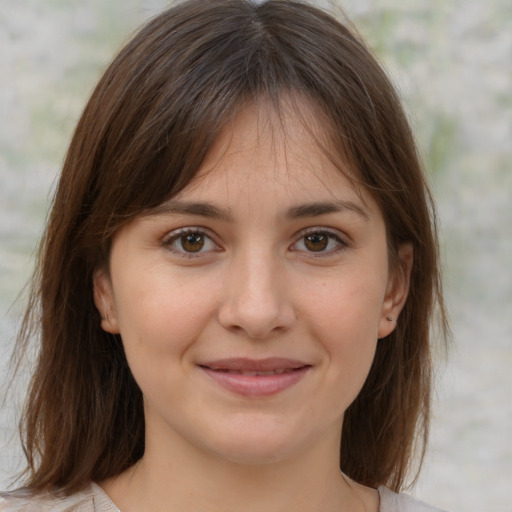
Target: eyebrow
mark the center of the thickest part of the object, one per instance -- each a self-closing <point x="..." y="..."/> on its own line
<point x="209" y="210"/>
<point x="201" y="209"/>
<point x="325" y="207"/>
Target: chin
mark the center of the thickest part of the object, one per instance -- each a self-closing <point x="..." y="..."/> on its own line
<point x="252" y="454"/>
<point x="256" y="443"/>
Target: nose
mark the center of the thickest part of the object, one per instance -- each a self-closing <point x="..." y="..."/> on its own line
<point x="256" y="300"/>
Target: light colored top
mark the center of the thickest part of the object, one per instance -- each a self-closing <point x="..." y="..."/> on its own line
<point x="94" y="499"/>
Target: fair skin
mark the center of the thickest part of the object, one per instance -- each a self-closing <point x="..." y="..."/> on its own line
<point x="250" y="306"/>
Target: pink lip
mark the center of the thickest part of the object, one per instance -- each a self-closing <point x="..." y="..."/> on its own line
<point x="256" y="377"/>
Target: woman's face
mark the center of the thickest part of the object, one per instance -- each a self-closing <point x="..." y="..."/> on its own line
<point x="250" y="304"/>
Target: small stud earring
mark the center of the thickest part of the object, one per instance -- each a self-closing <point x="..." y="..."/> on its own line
<point x="389" y="318"/>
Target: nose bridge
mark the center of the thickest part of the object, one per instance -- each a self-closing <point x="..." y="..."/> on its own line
<point x="255" y="300"/>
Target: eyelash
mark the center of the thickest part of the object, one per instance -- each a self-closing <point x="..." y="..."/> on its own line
<point x="341" y="244"/>
<point x="180" y="234"/>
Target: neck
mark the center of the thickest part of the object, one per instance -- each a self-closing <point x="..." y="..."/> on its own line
<point x="181" y="477"/>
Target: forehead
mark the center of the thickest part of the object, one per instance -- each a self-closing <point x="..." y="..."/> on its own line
<point x="282" y="153"/>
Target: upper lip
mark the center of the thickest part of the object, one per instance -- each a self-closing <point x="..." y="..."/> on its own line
<point x="243" y="364"/>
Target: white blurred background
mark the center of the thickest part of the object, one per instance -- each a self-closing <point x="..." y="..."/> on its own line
<point x="452" y="62"/>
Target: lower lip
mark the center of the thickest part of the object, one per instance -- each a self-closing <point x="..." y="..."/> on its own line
<point x="256" y="385"/>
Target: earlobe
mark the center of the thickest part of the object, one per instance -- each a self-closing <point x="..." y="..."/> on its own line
<point x="397" y="290"/>
<point x="104" y="301"/>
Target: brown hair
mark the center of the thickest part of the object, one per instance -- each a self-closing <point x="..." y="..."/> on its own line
<point x="142" y="137"/>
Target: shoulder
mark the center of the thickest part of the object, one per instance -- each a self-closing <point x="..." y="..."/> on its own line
<point x="393" y="502"/>
<point x="47" y="502"/>
<point x="91" y="499"/>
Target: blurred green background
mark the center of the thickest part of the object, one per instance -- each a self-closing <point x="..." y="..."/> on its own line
<point x="452" y="63"/>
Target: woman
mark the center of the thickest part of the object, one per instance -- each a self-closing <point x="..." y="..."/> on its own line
<point x="237" y="281"/>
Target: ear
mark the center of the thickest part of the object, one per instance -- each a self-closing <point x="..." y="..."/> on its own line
<point x="397" y="290"/>
<point x="104" y="301"/>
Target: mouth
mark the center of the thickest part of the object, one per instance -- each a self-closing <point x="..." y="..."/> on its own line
<point x="251" y="377"/>
<point x="259" y="373"/>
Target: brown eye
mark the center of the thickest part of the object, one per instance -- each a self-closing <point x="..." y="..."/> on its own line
<point x="316" y="242"/>
<point x="320" y="243"/>
<point x="192" y="242"/>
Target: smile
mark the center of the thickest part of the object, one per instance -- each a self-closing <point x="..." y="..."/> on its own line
<point x="255" y="378"/>
<point x="260" y="374"/>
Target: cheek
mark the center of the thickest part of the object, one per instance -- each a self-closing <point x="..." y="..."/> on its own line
<point x="160" y="317"/>
<point x="344" y="319"/>
<point x="159" y="327"/>
<point x="350" y="305"/>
